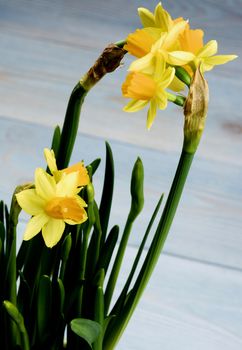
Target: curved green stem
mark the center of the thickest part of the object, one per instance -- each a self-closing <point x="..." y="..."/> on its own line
<point x="108" y="61"/>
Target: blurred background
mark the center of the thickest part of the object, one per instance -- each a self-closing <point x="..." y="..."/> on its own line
<point x="194" y="299"/>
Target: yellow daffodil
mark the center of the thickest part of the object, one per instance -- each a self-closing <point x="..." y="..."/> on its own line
<point x="52" y="205"/>
<point x="207" y="58"/>
<point x="83" y="178"/>
<point x="159" y="19"/>
<point x="143" y="89"/>
<point x="166" y="46"/>
<point x="204" y="55"/>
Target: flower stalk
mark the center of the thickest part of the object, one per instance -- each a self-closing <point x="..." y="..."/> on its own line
<point x="107" y="62"/>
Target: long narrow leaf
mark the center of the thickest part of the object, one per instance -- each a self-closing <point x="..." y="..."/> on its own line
<point x="107" y="193"/>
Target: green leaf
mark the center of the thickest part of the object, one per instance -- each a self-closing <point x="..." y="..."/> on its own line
<point x="44" y="306"/>
<point x="56" y="140"/>
<point x="2" y="232"/>
<point x="16" y="316"/>
<point x="94" y="165"/>
<point x="108" y="249"/>
<point x="107" y="194"/>
<point x="86" y="329"/>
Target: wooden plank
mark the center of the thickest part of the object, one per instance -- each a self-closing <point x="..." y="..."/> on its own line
<point x="187" y="305"/>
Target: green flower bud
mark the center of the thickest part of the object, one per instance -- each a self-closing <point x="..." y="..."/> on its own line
<point x="136" y="189"/>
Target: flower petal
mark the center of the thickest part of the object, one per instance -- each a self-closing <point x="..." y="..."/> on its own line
<point x="53" y="231"/>
<point x="176" y="85"/>
<point x="83" y="219"/>
<point x="146" y="17"/>
<point x="30" y="202"/>
<point x="35" y="225"/>
<point x="83" y="177"/>
<point x="162" y="99"/>
<point x="179" y="58"/>
<point x="68" y="185"/>
<point x="219" y="59"/>
<point x="162" y="18"/>
<point x="208" y="50"/>
<point x="143" y="63"/>
<point x="135" y="105"/>
<point x="44" y="184"/>
<point x="151" y="113"/>
<point x="172" y="36"/>
<point x="167" y="77"/>
<point x="50" y="160"/>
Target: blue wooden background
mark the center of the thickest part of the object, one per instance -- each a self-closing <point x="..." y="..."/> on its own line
<point x="194" y="299"/>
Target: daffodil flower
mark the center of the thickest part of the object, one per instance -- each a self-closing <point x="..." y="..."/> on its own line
<point x="83" y="177"/>
<point x="52" y="205"/>
<point x="204" y="55"/>
<point x="167" y="46"/>
<point x="143" y="89"/>
<point x="159" y="19"/>
<point x="207" y="58"/>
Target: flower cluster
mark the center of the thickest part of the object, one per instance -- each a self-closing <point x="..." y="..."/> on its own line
<point x="54" y="201"/>
<point x="161" y="46"/>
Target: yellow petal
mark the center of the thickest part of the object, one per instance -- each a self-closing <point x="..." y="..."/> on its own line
<point x="80" y="201"/>
<point x="139" y="43"/>
<point x="161" y="99"/>
<point x="191" y="40"/>
<point x="179" y="58"/>
<point x="173" y="34"/>
<point x="50" y="160"/>
<point x="219" y="59"/>
<point x="135" y="105"/>
<point x="80" y="221"/>
<point x="162" y="18"/>
<point x="144" y="63"/>
<point x="176" y="85"/>
<point x="45" y="184"/>
<point x="139" y="86"/>
<point x="83" y="177"/>
<point x="68" y="185"/>
<point x="151" y="114"/>
<point x="35" y="225"/>
<point x="30" y="202"/>
<point x="160" y="66"/>
<point x="146" y="17"/>
<point x="167" y="77"/>
<point x="208" y="50"/>
<point x="52" y="232"/>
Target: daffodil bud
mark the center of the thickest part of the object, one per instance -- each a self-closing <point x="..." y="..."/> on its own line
<point x="136" y="189"/>
<point x="66" y="247"/>
<point x="90" y="193"/>
<point x="195" y="111"/>
<point x="107" y="62"/>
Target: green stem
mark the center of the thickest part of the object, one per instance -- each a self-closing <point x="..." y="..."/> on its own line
<point x="120" y="301"/>
<point x="116" y="329"/>
<point x="117" y="264"/>
<point x="70" y="126"/>
<point x="108" y="61"/>
<point x="183" y="75"/>
<point x="177" y="99"/>
<point x="10" y="288"/>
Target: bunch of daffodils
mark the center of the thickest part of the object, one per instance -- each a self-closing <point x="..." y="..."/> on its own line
<point x="163" y="45"/>
<point x="57" y="289"/>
